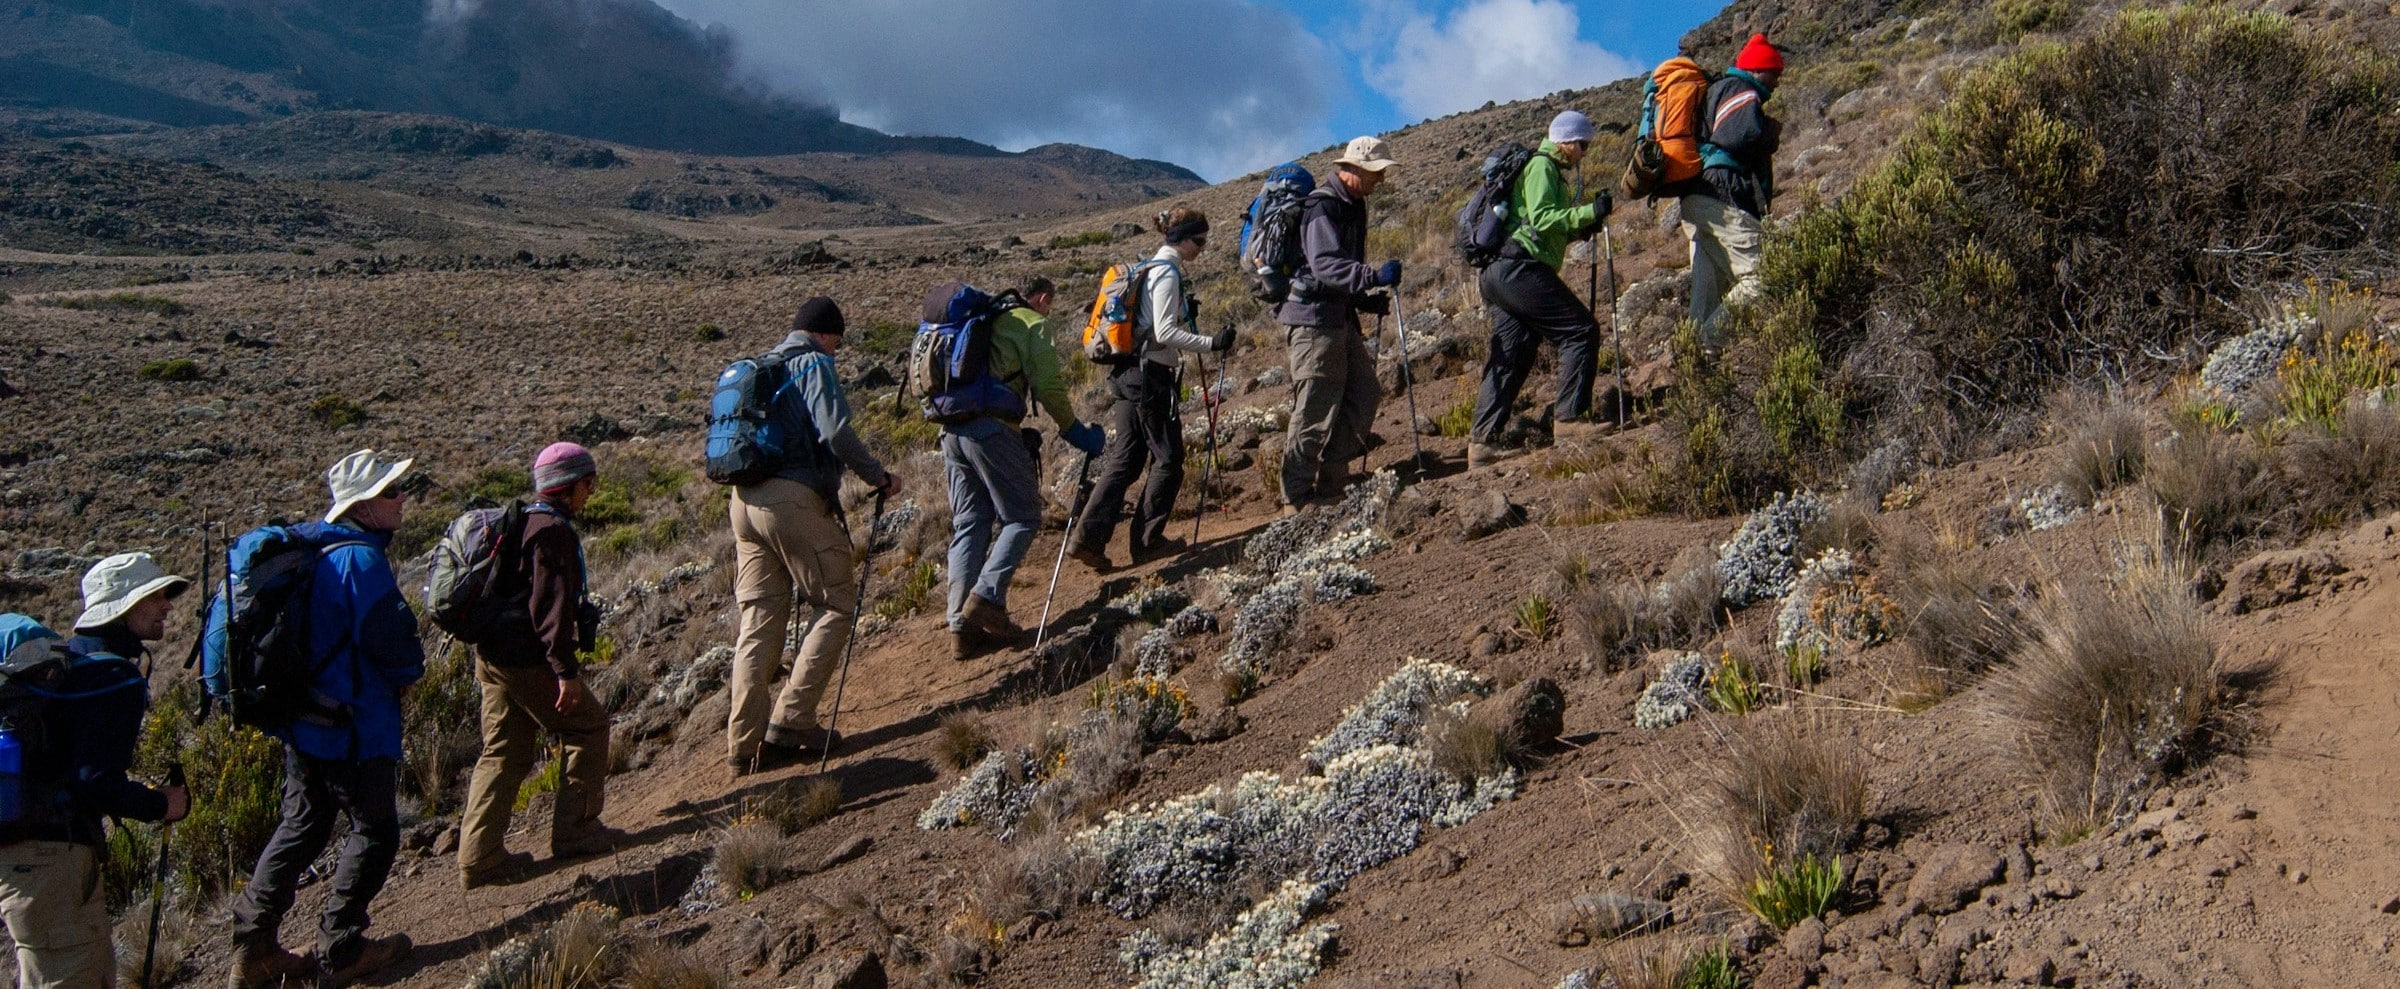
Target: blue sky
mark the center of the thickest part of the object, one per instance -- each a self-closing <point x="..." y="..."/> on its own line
<point x="1219" y="86"/>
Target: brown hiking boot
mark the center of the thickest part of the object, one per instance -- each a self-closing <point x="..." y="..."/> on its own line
<point x="1485" y="455"/>
<point x="989" y="618"/>
<point x="1091" y="556"/>
<point x="508" y="869"/>
<point x="373" y="956"/>
<point x="594" y="840"/>
<point x="969" y="643"/>
<point x="1166" y="548"/>
<point x="267" y="967"/>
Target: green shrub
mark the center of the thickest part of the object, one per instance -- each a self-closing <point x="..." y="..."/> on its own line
<point x="440" y="730"/>
<point x="915" y="591"/>
<point x="1795" y="890"/>
<point x="883" y="338"/>
<point x="235" y="775"/>
<point x="708" y="333"/>
<point x="334" y="410"/>
<point x="496" y="484"/>
<point x="171" y="369"/>
<point x="1457" y="420"/>
<point x="2014" y="19"/>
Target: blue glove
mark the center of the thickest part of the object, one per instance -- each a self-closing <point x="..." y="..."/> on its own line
<point x="1085" y="437"/>
<point x="1389" y="274"/>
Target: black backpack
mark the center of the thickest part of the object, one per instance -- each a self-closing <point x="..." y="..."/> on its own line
<point x="256" y="664"/>
<point x="1270" y="245"/>
<point x="1485" y="223"/>
<point x="34" y="671"/>
<point x="470" y="586"/>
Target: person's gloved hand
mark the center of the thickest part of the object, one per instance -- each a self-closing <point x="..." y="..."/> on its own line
<point x="1603" y="203"/>
<point x="1085" y="437"/>
<point x="1224" y="342"/>
<point x="1389" y="274"/>
<point x="1191" y="304"/>
<point x="1373" y="304"/>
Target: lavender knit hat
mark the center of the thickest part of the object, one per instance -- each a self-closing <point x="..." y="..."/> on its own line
<point x="562" y="464"/>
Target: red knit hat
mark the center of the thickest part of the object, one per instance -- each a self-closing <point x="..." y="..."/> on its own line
<point x="1759" y="56"/>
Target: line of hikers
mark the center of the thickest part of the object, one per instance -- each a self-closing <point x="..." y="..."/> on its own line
<point x="308" y="637"/>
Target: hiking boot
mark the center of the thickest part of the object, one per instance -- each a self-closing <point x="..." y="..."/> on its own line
<point x="595" y="840"/>
<point x="373" y="956"/>
<point x="1166" y="548"/>
<point x="508" y="869"/>
<point x="1485" y="455"/>
<point x="989" y="618"/>
<point x="266" y="967"/>
<point x="1091" y="556"/>
<point x="967" y="643"/>
<point x="1580" y="429"/>
<point x="785" y="746"/>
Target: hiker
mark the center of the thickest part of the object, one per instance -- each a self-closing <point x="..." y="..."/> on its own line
<point x="362" y="638"/>
<point x="1530" y="303"/>
<point x="995" y="475"/>
<point x="1333" y="375"/>
<point x="532" y="685"/>
<point x="73" y="773"/>
<point x="1144" y="428"/>
<point x="788" y="534"/>
<point x="1723" y="208"/>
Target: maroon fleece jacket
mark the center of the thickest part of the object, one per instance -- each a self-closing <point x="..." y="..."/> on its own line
<point x="549" y="562"/>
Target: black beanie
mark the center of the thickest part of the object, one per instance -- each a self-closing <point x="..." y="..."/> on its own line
<point x="819" y="315"/>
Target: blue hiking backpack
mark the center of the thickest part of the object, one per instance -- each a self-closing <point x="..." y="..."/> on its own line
<point x="950" y="360"/>
<point x="1485" y="223"/>
<point x="34" y="666"/>
<point x="255" y="661"/>
<point x="745" y="437"/>
<point x="1270" y="244"/>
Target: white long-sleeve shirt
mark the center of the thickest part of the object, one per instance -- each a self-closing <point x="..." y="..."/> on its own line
<point x="1163" y="314"/>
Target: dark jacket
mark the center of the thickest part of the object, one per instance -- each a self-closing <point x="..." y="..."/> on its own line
<point x="1333" y="237"/>
<point x="89" y="737"/>
<point x="814" y="412"/>
<point x="548" y="565"/>
<point x="1739" y="154"/>
<point x="364" y="639"/>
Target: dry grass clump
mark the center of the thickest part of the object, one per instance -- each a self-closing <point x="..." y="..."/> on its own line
<point x="2120" y="686"/>
<point x="794" y="805"/>
<point x="1781" y="790"/>
<point x="1848" y="525"/>
<point x="579" y="951"/>
<point x="1955" y="617"/>
<point x="1618" y="623"/>
<point x="2348" y="472"/>
<point x="1467" y="747"/>
<point x="2105" y="445"/>
<point x="752" y="855"/>
<point x="1667" y="963"/>
<point x="963" y="740"/>
<point x="661" y="964"/>
<point x="2215" y="492"/>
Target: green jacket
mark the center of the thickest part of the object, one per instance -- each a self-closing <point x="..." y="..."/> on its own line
<point x="1550" y="217"/>
<point x="1024" y="359"/>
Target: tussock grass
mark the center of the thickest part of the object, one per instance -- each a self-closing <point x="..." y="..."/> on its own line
<point x="1779" y="790"/>
<point x="662" y="964"/>
<point x="1467" y="747"/>
<point x="2216" y="493"/>
<point x="1955" y="617"/>
<point x="795" y="805"/>
<point x="2105" y="444"/>
<point x="1665" y="962"/>
<point x="2120" y="686"/>
<point x="1618" y="623"/>
<point x="2348" y="472"/>
<point x="752" y="855"/>
<point x="964" y="739"/>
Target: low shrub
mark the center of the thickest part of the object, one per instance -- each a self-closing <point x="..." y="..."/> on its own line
<point x="134" y="302"/>
<point x="2119" y="687"/>
<point x="334" y="410"/>
<point x="963" y="741"/>
<point x="1456" y="421"/>
<point x="235" y="775"/>
<point x="171" y="369"/>
<point x="913" y="593"/>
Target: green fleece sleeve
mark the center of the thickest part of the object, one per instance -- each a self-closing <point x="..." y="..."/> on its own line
<point x="1551" y="217"/>
<point x="1040" y="361"/>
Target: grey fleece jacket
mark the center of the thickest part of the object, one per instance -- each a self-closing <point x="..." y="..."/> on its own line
<point x="1333" y="237"/>
<point x="816" y="415"/>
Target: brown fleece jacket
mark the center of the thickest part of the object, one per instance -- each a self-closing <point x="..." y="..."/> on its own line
<point x="549" y="562"/>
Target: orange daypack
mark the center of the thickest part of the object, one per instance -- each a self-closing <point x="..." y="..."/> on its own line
<point x="1667" y="148"/>
<point x="1111" y="333"/>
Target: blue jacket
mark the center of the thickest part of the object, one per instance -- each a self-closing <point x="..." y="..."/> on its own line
<point x="365" y="639"/>
<point x="814" y="412"/>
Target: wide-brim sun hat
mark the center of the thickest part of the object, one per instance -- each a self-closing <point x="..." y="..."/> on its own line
<point x="359" y="477"/>
<point x="1368" y="153"/>
<point x="114" y="585"/>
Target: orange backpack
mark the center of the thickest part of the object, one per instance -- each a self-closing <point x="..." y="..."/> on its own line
<point x="1111" y="335"/>
<point x="1667" y="150"/>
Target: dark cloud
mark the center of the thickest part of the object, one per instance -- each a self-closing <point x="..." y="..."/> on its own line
<point x="1222" y="86"/>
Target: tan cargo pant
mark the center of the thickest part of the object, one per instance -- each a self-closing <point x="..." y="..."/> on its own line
<point x="786" y="539"/>
<point x="520" y="707"/>
<point x="50" y="897"/>
<point x="1334" y="392"/>
<point x="1725" y="246"/>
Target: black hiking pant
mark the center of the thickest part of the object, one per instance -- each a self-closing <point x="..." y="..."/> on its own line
<point x="1529" y="303"/>
<point x="1144" y="430"/>
<point x="315" y="792"/>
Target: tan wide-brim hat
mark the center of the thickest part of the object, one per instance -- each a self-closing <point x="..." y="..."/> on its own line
<point x="114" y="585"/>
<point x="358" y="477"/>
<point x="1366" y="152"/>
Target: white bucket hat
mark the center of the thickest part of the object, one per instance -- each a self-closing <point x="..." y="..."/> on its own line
<point x="1366" y="152"/>
<point x="114" y="585"/>
<point x="358" y="477"/>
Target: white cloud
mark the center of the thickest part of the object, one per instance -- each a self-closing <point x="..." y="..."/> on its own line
<point x="1489" y="50"/>
<point x="1219" y="86"/>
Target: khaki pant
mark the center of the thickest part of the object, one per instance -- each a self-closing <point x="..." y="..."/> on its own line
<point x="520" y="707"/>
<point x="1334" y="392"/>
<point x="1725" y="246"/>
<point x="786" y="539"/>
<point x="50" y="897"/>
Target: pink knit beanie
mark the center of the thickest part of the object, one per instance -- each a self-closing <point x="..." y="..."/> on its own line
<point x="562" y="464"/>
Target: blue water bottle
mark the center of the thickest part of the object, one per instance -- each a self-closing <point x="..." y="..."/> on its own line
<point x="12" y="778"/>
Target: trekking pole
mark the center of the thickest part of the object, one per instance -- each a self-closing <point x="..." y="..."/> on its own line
<point x="1083" y="497"/>
<point x="825" y="756"/>
<point x="1408" y="382"/>
<point x="158" y="890"/>
<point x="1208" y="404"/>
<point x="1616" y="336"/>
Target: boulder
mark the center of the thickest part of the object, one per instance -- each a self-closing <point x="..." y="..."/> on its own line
<point x="846" y="970"/>
<point x="1529" y="714"/>
<point x="1489" y="514"/>
<point x="1595" y="916"/>
<point x="1804" y="942"/>
<point x="2277" y="578"/>
<point x="1951" y="877"/>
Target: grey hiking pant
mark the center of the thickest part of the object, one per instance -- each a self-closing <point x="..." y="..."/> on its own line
<point x="1333" y="403"/>
<point x="1530" y="304"/>
<point x="994" y="484"/>
<point x="315" y="792"/>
